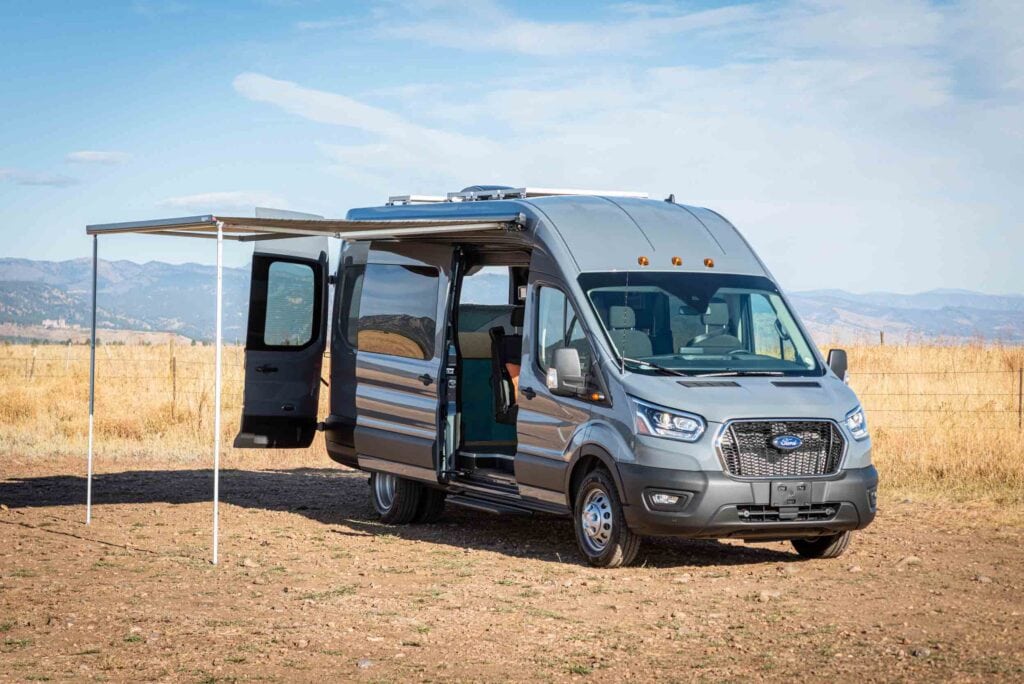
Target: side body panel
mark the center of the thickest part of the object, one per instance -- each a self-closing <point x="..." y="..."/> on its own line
<point x="549" y="427"/>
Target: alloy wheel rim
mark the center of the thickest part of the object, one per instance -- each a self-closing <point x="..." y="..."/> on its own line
<point x="597" y="520"/>
<point x="384" y="488"/>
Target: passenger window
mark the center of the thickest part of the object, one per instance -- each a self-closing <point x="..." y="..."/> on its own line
<point x="558" y="327"/>
<point x="772" y="337"/>
<point x="397" y="311"/>
<point x="291" y="305"/>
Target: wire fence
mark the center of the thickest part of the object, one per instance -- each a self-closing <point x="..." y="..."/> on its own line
<point x="184" y="379"/>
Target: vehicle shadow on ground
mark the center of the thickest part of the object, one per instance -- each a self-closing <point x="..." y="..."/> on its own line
<point x="339" y="498"/>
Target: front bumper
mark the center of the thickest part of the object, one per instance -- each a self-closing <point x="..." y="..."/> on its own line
<point x="713" y="505"/>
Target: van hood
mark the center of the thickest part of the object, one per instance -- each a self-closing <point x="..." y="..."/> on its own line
<point x="720" y="399"/>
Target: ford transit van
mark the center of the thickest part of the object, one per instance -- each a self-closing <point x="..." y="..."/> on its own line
<point x="627" y="362"/>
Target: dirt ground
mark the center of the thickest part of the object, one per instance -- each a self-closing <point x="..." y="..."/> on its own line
<point x="311" y="587"/>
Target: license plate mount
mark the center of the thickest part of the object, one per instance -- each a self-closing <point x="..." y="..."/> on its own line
<point x="790" y="493"/>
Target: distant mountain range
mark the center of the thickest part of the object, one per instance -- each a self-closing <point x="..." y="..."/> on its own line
<point x="50" y="300"/>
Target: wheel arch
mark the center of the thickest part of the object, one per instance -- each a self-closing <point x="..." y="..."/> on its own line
<point x="588" y="458"/>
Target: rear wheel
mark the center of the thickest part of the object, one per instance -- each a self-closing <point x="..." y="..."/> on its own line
<point x="831" y="546"/>
<point x="431" y="506"/>
<point x="601" y="531"/>
<point x="396" y="499"/>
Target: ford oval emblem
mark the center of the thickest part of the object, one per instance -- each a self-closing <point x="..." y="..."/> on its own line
<point x="787" y="442"/>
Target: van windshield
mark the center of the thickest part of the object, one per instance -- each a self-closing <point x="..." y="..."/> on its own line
<point x="699" y="323"/>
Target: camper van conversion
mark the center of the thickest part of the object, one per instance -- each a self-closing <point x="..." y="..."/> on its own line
<point x="627" y="362"/>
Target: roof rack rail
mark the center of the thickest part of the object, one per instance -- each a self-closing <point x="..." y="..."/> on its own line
<point x="506" y="193"/>
<point x="415" y="199"/>
<point x="525" y="193"/>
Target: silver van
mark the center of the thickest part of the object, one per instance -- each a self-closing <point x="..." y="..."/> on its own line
<point x="627" y="362"/>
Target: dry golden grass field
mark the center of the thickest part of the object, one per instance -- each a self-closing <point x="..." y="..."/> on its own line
<point x="944" y="419"/>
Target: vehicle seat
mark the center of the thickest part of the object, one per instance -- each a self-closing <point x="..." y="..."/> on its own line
<point x="630" y="342"/>
<point x="506" y="359"/>
<point x="716" y="329"/>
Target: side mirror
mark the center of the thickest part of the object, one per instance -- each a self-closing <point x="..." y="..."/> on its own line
<point x="837" y="362"/>
<point x="565" y="376"/>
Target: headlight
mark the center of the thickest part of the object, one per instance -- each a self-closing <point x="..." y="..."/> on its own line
<point x="857" y="423"/>
<point x="663" y="422"/>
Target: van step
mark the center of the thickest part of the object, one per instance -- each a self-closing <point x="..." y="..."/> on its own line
<point x="486" y="505"/>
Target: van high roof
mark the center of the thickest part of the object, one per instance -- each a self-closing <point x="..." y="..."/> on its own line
<point x="594" y="230"/>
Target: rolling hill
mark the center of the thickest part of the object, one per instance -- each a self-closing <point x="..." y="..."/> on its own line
<point x="154" y="296"/>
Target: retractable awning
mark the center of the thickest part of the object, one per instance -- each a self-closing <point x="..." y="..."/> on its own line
<point x="246" y="229"/>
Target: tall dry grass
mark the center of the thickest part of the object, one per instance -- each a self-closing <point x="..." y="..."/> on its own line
<point x="943" y="419"/>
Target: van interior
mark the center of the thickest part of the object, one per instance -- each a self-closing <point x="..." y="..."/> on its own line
<point x="489" y="318"/>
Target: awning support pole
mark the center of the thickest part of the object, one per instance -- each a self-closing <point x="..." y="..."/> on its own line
<point x="92" y="383"/>
<point x="217" y="389"/>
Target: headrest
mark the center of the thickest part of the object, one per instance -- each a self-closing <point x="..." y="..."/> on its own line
<point x="717" y="314"/>
<point x="518" y="316"/>
<point x="621" y="317"/>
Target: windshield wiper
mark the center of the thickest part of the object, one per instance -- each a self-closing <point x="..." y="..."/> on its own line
<point x="730" y="373"/>
<point x="654" y="366"/>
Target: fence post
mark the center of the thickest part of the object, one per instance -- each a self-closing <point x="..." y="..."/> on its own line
<point x="174" y="388"/>
<point x="881" y="338"/>
<point x="32" y="368"/>
<point x="1020" y="398"/>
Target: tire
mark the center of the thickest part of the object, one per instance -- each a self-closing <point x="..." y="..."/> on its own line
<point x="601" y="531"/>
<point x="831" y="546"/>
<point x="396" y="499"/>
<point x="431" y="506"/>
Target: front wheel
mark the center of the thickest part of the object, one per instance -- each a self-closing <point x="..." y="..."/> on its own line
<point x="601" y="531"/>
<point x="831" y="546"/>
<point x="396" y="499"/>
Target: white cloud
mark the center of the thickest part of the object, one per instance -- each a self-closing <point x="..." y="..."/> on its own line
<point x="239" y="200"/>
<point x="97" y="157"/>
<point x="323" y="24"/>
<point x="403" y="145"/>
<point x="862" y="127"/>
<point x="21" y="177"/>
<point x="485" y="25"/>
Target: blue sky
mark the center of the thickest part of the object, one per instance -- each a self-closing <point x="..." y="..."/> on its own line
<point x="860" y="145"/>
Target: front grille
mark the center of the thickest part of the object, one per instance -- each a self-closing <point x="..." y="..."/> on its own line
<point x="748" y="451"/>
<point x="761" y="514"/>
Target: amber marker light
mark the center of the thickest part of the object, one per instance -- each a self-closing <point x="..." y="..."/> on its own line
<point x="643" y="261"/>
<point x="677" y="261"/>
<point x="710" y="263"/>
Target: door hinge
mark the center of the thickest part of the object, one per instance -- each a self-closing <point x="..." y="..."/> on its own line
<point x="332" y="279"/>
<point x="321" y="427"/>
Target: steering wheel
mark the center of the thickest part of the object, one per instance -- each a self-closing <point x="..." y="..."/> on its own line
<point x="739" y="352"/>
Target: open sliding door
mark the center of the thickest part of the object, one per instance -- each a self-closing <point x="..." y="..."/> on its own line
<point x="284" y="345"/>
<point x="400" y="362"/>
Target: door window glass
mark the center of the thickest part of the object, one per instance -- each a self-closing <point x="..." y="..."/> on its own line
<point x="291" y="305"/>
<point x="558" y="327"/>
<point x="397" y="310"/>
<point x="348" y="307"/>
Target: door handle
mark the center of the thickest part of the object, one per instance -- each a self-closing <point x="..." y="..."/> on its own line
<point x="528" y="392"/>
<point x="426" y="379"/>
<point x="267" y="368"/>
